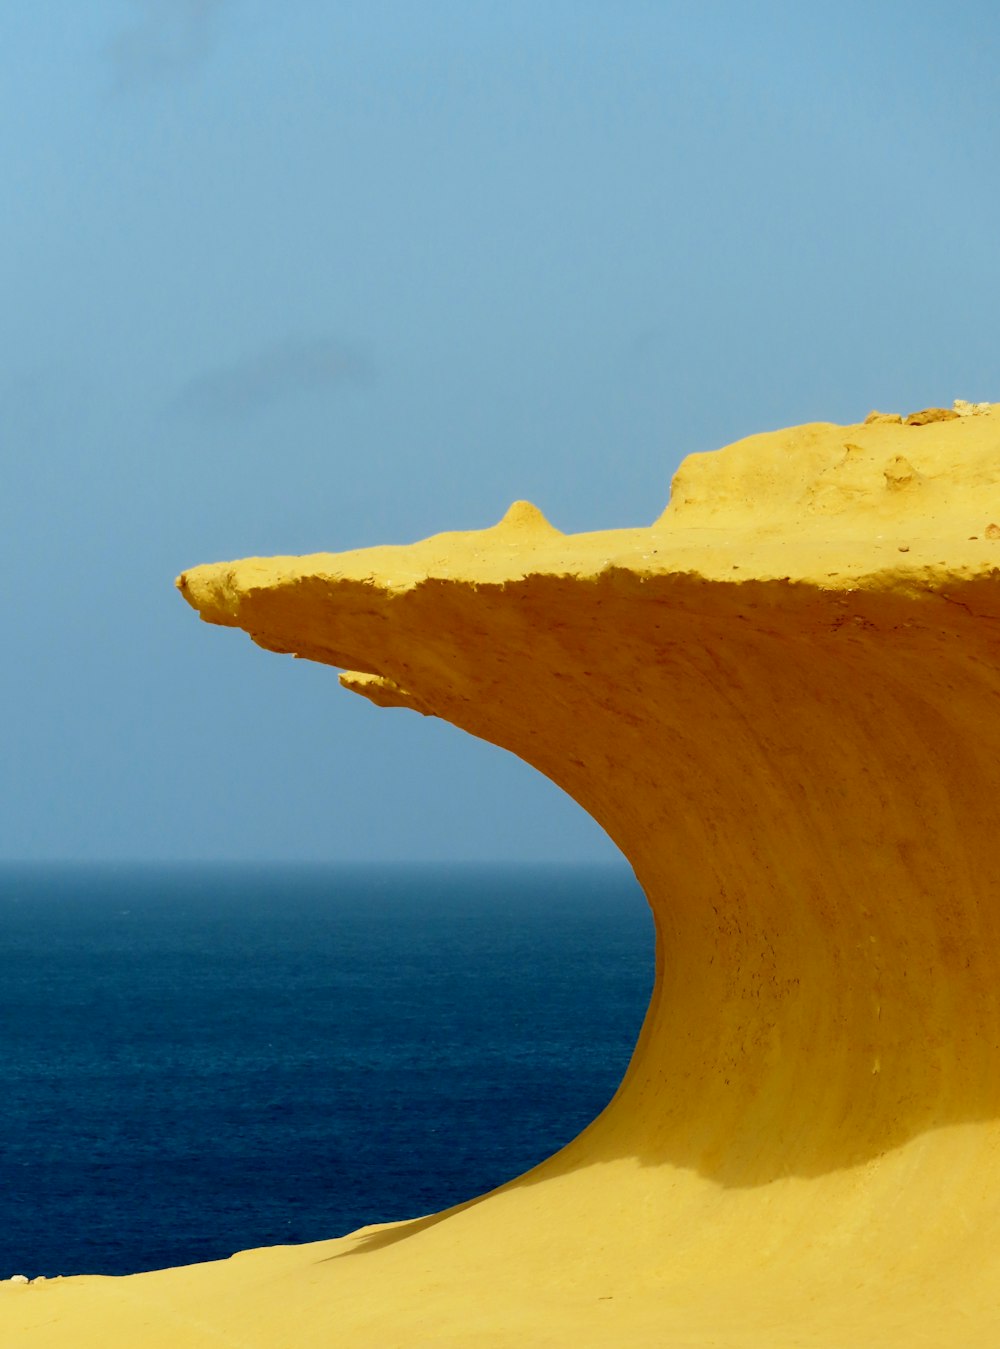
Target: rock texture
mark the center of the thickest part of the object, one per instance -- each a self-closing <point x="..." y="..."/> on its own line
<point x="782" y="701"/>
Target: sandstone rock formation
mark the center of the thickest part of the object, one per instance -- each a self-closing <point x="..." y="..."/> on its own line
<point x="782" y="701"/>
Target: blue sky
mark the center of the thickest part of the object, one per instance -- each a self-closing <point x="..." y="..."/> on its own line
<point x="282" y="278"/>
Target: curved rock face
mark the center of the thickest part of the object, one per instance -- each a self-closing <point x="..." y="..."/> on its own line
<point x="782" y="701"/>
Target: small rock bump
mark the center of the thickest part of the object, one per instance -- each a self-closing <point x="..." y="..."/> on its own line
<point x="927" y="415"/>
<point x="993" y="531"/>
<point x="883" y="418"/>
<point x="967" y="409"/>
<point x="899" y="474"/>
<point x="523" y="517"/>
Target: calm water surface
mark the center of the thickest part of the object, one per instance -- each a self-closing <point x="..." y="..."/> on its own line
<point x="203" y="1059"/>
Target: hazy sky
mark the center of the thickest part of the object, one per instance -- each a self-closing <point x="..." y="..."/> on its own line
<point x="314" y="275"/>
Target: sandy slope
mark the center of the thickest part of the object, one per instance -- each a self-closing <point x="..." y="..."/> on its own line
<point x="781" y="701"/>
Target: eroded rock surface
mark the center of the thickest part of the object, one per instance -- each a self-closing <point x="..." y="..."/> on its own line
<point x="782" y="701"/>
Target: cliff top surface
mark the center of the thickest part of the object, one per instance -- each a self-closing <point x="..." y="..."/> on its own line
<point x="910" y="502"/>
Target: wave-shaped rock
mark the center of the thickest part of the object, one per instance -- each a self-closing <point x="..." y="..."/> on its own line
<point x="782" y="701"/>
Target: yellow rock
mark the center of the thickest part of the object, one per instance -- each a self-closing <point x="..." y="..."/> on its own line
<point x="966" y="409"/>
<point x="780" y="700"/>
<point x="928" y="415"/>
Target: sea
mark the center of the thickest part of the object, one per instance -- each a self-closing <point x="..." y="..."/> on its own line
<point x="199" y="1059"/>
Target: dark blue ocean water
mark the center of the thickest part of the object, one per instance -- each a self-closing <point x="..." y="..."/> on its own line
<point x="200" y="1059"/>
